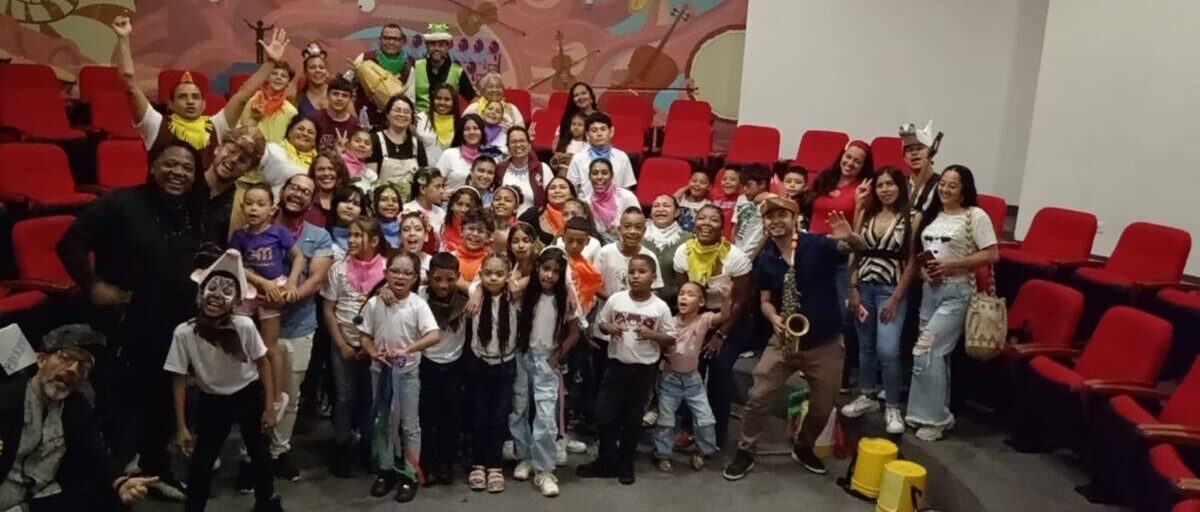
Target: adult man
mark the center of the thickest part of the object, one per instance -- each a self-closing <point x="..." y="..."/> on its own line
<point x="437" y="68"/>
<point x="337" y="119"/>
<point x="187" y="121"/>
<point x="52" y="457"/>
<point x="239" y="152"/>
<point x="920" y="146"/>
<point x="143" y="239"/>
<point x="391" y="57"/>
<point x="806" y="272"/>
<point x="290" y="360"/>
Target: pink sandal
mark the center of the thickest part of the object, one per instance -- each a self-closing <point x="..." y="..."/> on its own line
<point x="477" y="479"/>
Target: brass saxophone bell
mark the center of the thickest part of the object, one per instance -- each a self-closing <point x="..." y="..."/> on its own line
<point x="797" y="325"/>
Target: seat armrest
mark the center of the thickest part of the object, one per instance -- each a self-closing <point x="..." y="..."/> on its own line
<point x="1182" y="437"/>
<point x="1030" y="350"/>
<point x="35" y="285"/>
<point x="1113" y="388"/>
<point x="1155" y="285"/>
<point x="8" y="197"/>
<point x="98" y="190"/>
<point x="1009" y="244"/>
<point x="1188" y="487"/>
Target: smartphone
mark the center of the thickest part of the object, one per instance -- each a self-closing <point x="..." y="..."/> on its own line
<point x="924" y="257"/>
<point x="862" y="313"/>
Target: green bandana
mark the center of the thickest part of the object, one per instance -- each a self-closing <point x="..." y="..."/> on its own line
<point x="394" y="64"/>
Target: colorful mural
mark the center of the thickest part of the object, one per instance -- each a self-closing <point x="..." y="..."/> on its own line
<point x="666" y="48"/>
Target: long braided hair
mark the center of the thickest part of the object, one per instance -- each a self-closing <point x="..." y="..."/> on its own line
<point x="504" y="327"/>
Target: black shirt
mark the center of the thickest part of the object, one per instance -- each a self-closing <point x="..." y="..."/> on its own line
<point x="436" y="77"/>
<point x="816" y="259"/>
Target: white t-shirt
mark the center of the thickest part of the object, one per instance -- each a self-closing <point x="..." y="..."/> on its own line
<point x="625" y="199"/>
<point x="947" y="236"/>
<point x="492" y="354"/>
<point x="449" y="346"/>
<point x="277" y="168"/>
<point x="346" y="299"/>
<point x="454" y="168"/>
<point x="736" y="264"/>
<point x="614" y="267"/>
<point x="520" y="180"/>
<point x="628" y="314"/>
<point x="398" y="326"/>
<point x="541" y="334"/>
<point x="436" y="214"/>
<point x="428" y="136"/>
<point x="577" y="173"/>
<point x="152" y="121"/>
<point x="216" y="372"/>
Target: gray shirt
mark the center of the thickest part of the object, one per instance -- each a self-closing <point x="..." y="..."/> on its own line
<point x="43" y="444"/>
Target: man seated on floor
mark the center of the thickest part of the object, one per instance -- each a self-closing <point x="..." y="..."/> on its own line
<point x="52" y="457"/>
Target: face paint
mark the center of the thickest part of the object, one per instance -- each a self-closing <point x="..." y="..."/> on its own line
<point x="218" y="295"/>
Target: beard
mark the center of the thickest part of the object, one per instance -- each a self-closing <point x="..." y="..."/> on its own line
<point x="55" y="390"/>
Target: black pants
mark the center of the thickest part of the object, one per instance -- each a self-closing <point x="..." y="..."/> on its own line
<point x="491" y="392"/>
<point x="87" y="496"/>
<point x="143" y="415"/>
<point x="441" y="412"/>
<point x="216" y="416"/>
<point x="623" y="395"/>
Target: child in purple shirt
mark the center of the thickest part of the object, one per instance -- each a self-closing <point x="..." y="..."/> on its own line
<point x="265" y="249"/>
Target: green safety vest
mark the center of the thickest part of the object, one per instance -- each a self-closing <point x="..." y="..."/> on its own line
<point x="422" y="84"/>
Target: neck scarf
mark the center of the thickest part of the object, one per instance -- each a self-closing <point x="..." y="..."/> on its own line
<point x="468" y="152"/>
<point x="354" y="164"/>
<point x="588" y="280"/>
<point x="448" y="312"/>
<point x="272" y="100"/>
<point x="393" y="63"/>
<point x="340" y="235"/>
<point x="391" y="231"/>
<point x="491" y="131"/>
<point x="598" y="152"/>
<point x="604" y="205"/>
<point x="443" y="125"/>
<point x="534" y="168"/>
<point x="301" y="158"/>
<point x="554" y="217"/>
<point x="452" y="235"/>
<point x="364" y="274"/>
<point x="662" y="238"/>
<point x="192" y="131"/>
<point x="469" y="260"/>
<point x="703" y="259"/>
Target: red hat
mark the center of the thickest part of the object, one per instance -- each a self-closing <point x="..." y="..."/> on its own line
<point x="860" y="144"/>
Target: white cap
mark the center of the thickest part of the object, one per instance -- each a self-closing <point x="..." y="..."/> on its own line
<point x="910" y="134"/>
<point x="230" y="262"/>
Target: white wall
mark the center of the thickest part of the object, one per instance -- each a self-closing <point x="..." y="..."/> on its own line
<point x="1117" y="116"/>
<point x="867" y="66"/>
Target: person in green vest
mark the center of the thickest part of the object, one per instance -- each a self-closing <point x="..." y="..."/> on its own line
<point x="437" y="68"/>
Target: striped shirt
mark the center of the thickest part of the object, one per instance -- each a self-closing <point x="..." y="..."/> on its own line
<point x="882" y="261"/>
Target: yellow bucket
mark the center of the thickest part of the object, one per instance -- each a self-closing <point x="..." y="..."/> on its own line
<point x="903" y="487"/>
<point x="873" y="454"/>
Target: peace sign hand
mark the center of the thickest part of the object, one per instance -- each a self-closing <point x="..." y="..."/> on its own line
<point x="343" y="140"/>
<point x="862" y="194"/>
<point x="278" y="44"/>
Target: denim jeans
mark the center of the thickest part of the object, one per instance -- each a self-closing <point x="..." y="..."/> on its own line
<point x="535" y="441"/>
<point x="675" y="388"/>
<point x="396" y="414"/>
<point x="351" y="398"/>
<point x="943" y="310"/>
<point x="879" y="342"/>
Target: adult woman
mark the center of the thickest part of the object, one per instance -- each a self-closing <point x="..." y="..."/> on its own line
<point x="960" y="238"/>
<point x="291" y="156"/>
<point x="663" y="237"/>
<point x="548" y="220"/>
<point x="269" y="108"/>
<point x="329" y="172"/>
<point x="523" y="170"/>
<point x="346" y="206"/>
<point x="436" y="126"/>
<point x="397" y="154"/>
<point x="491" y="86"/>
<point x="311" y="97"/>
<point x="711" y="260"/>
<point x="504" y="214"/>
<point x="582" y="100"/>
<point x="455" y="163"/>
<point x="879" y="278"/>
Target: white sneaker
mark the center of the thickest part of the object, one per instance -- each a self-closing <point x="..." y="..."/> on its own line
<point x="931" y="434"/>
<point x="650" y="418"/>
<point x="893" y="420"/>
<point x="576" y="446"/>
<point x="881" y="395"/>
<point x="510" y="451"/>
<point x="859" y="406"/>
<point x="547" y="483"/>
<point x="560" y="452"/>
<point x="524" y="468"/>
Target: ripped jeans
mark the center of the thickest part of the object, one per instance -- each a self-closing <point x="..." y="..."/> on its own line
<point x="943" y="310"/>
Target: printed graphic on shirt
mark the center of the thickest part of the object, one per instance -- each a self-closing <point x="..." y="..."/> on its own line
<point x="631" y="321"/>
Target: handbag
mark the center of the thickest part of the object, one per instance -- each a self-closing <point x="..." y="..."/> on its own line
<point x="986" y="324"/>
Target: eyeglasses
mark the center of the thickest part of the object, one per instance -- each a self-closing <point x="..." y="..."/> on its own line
<point x="300" y="190"/>
<point x="80" y="357"/>
<point x="402" y="111"/>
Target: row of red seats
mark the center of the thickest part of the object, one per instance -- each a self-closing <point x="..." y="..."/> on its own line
<point x="35" y="178"/>
<point x="40" y="273"/>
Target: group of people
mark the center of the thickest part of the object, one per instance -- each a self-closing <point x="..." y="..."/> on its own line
<point x="463" y="302"/>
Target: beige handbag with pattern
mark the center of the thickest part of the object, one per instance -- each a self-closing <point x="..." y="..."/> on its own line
<point x="986" y="323"/>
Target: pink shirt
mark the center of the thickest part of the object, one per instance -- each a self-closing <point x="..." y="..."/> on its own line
<point x="684" y="357"/>
<point x="839" y="199"/>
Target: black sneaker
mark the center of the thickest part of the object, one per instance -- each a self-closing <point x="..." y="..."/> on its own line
<point x="625" y="475"/>
<point x="342" y="464"/>
<point x="406" y="490"/>
<point x="384" y="483"/>
<point x="445" y="473"/>
<point x="167" y="488"/>
<point x="743" y="462"/>
<point x="244" y="483"/>
<point x="284" y="469"/>
<point x="597" y="469"/>
<point x="805" y="456"/>
<point x="275" y="504"/>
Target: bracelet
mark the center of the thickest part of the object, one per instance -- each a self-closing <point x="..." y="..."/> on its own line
<point x="722" y="335"/>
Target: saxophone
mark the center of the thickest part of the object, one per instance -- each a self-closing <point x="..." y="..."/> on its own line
<point x="795" y="323"/>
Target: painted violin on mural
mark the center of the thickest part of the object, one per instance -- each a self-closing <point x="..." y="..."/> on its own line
<point x="649" y="67"/>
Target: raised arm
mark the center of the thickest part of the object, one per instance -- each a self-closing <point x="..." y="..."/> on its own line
<point x="274" y="50"/>
<point x="123" y="57"/>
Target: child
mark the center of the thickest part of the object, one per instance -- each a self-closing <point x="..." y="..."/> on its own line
<point x="583" y="276"/>
<point x="442" y="372"/>
<point x="477" y="243"/>
<point x="491" y="338"/>
<point x="428" y="186"/>
<point x="691" y="198"/>
<point x="599" y="134"/>
<point x="414" y="238"/>
<point x="747" y="221"/>
<point x="462" y="200"/>
<point x="386" y="206"/>
<point x="522" y="248"/>
<point x="577" y="208"/>
<point x="351" y="278"/>
<point x="795" y="187"/>
<point x="725" y="196"/>
<point x="394" y="336"/>
<point x="264" y="246"/>
<point x="547" y="329"/>
<point x="607" y="199"/>
<point x="483" y="173"/>
<point x="228" y="361"/>
<point x="505" y="202"/>
<point x="496" y="123"/>
<point x="354" y="152"/>
<point x="681" y="380"/>
<point x="578" y="141"/>
<point x="641" y="326"/>
<point x="346" y="206"/>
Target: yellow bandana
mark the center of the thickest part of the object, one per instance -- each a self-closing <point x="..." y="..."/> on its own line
<point x="301" y="158"/>
<point x="194" y="132"/>
<point x="443" y="124"/>
<point x="703" y="259"/>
